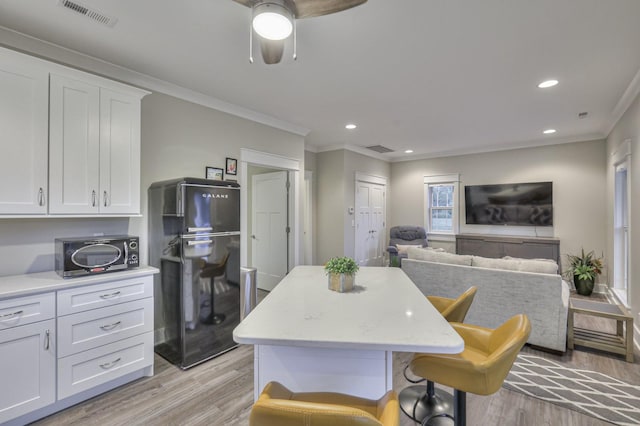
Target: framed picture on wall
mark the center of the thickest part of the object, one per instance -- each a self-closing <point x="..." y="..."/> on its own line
<point x="215" y="173"/>
<point x="232" y="166"/>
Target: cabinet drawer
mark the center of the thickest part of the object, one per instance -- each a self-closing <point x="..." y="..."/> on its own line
<point x="101" y="295"/>
<point x="27" y="310"/>
<point x="77" y="373"/>
<point x="90" y="329"/>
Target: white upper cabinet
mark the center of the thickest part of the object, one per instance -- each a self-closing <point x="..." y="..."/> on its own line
<point x="119" y="152"/>
<point x="24" y="93"/>
<point x="74" y="146"/>
<point x="70" y="141"/>
<point x="94" y="143"/>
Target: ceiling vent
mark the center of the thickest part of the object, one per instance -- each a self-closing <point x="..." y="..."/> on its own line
<point x="380" y="149"/>
<point x="93" y="14"/>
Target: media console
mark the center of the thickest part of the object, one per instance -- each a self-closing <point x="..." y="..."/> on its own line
<point x="497" y="246"/>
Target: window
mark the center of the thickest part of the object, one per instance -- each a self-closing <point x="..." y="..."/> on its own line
<point x="621" y="223"/>
<point x="441" y="208"/>
<point x="441" y="204"/>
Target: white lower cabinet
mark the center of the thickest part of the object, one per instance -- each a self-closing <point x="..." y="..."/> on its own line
<point x="27" y="368"/>
<point x="62" y="347"/>
<point x="82" y="371"/>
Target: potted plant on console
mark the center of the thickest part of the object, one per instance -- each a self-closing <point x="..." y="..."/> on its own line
<point x="584" y="269"/>
<point x="341" y="272"/>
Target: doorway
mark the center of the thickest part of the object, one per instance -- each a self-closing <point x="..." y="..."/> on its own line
<point x="370" y="220"/>
<point x="269" y="163"/>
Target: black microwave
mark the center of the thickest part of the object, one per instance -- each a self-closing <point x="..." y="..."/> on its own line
<point x="96" y="255"/>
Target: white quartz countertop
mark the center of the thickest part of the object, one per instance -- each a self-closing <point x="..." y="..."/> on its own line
<point x="23" y="285"/>
<point x="385" y="311"/>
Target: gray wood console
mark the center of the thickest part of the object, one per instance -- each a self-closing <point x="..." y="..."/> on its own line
<point x="497" y="246"/>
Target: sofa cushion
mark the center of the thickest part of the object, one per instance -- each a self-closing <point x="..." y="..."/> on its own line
<point x="402" y="248"/>
<point x="538" y="266"/>
<point x="438" y="256"/>
<point x="491" y="263"/>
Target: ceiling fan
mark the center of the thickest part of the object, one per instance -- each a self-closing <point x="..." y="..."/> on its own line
<point x="274" y="21"/>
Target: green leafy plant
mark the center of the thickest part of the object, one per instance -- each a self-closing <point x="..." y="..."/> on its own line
<point x="341" y="265"/>
<point x="585" y="266"/>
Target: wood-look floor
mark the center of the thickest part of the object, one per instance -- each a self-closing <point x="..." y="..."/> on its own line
<point x="220" y="392"/>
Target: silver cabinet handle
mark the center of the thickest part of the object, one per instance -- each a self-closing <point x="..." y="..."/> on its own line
<point x="108" y="365"/>
<point x="41" y="199"/>
<point x="199" y="242"/>
<point x="12" y="314"/>
<point x="105" y="198"/>
<point x="110" y="296"/>
<point x="93" y="198"/>
<point x="110" y="326"/>
<point x="47" y="340"/>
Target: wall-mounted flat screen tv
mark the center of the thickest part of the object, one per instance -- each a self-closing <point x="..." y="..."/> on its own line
<point x="520" y="204"/>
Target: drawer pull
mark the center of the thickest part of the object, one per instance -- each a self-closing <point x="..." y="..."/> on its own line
<point x="110" y="326"/>
<point x="12" y="314"/>
<point x="47" y="340"/>
<point x="110" y="296"/>
<point x="108" y="365"/>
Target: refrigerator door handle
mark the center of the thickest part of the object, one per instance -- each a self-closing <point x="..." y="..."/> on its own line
<point x="204" y="229"/>
<point x="199" y="242"/>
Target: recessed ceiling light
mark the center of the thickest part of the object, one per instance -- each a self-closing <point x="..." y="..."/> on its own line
<point x="548" y="83"/>
<point x="549" y="131"/>
<point x="350" y="126"/>
<point x="408" y="151"/>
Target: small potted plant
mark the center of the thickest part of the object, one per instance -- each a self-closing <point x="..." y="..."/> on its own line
<point x="584" y="269"/>
<point x="341" y="272"/>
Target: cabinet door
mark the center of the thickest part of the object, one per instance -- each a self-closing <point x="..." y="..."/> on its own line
<point x="74" y="146"/>
<point x="24" y="89"/>
<point x="28" y="369"/>
<point x="119" y="153"/>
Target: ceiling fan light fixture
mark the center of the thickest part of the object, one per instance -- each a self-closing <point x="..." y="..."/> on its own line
<point x="272" y="20"/>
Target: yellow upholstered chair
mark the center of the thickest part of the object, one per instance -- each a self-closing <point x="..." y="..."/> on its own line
<point x="481" y="368"/>
<point x="278" y="406"/>
<point x="419" y="402"/>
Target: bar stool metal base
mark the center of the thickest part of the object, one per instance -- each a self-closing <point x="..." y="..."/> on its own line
<point x="416" y="403"/>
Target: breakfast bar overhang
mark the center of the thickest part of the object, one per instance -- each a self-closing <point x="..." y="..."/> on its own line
<point x="310" y="338"/>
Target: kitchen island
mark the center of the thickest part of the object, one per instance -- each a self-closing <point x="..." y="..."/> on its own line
<point x="310" y="338"/>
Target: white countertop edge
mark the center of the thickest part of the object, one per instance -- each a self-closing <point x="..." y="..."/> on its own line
<point x="453" y="349"/>
<point x="42" y="282"/>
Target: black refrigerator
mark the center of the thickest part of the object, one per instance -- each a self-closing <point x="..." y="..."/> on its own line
<point x="194" y="239"/>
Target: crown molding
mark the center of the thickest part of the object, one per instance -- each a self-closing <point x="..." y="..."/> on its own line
<point x="353" y="148"/>
<point x="627" y="98"/>
<point x="495" y="148"/>
<point x="52" y="52"/>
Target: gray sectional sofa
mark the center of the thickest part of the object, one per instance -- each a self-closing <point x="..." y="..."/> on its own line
<point x="506" y="287"/>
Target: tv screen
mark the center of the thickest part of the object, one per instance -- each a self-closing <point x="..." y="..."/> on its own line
<point x="522" y="204"/>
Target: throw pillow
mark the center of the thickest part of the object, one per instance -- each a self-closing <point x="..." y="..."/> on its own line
<point x="438" y="256"/>
<point x="490" y="263"/>
<point x="402" y="248"/>
<point x="537" y="266"/>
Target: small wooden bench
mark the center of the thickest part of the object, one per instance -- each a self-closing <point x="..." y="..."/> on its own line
<point x="619" y="343"/>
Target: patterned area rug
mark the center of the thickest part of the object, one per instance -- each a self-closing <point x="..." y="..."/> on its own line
<point x="588" y="392"/>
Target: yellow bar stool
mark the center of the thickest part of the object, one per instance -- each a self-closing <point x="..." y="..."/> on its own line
<point x="278" y="406"/>
<point x="417" y="401"/>
<point x="480" y="369"/>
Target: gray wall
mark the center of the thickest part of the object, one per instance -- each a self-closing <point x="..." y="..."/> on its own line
<point x="627" y="128"/>
<point x="336" y="193"/>
<point x="179" y="138"/>
<point x="577" y="170"/>
<point x="330" y="202"/>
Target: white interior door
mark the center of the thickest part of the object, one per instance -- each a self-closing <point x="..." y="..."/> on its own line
<point x="269" y="228"/>
<point x="370" y="223"/>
